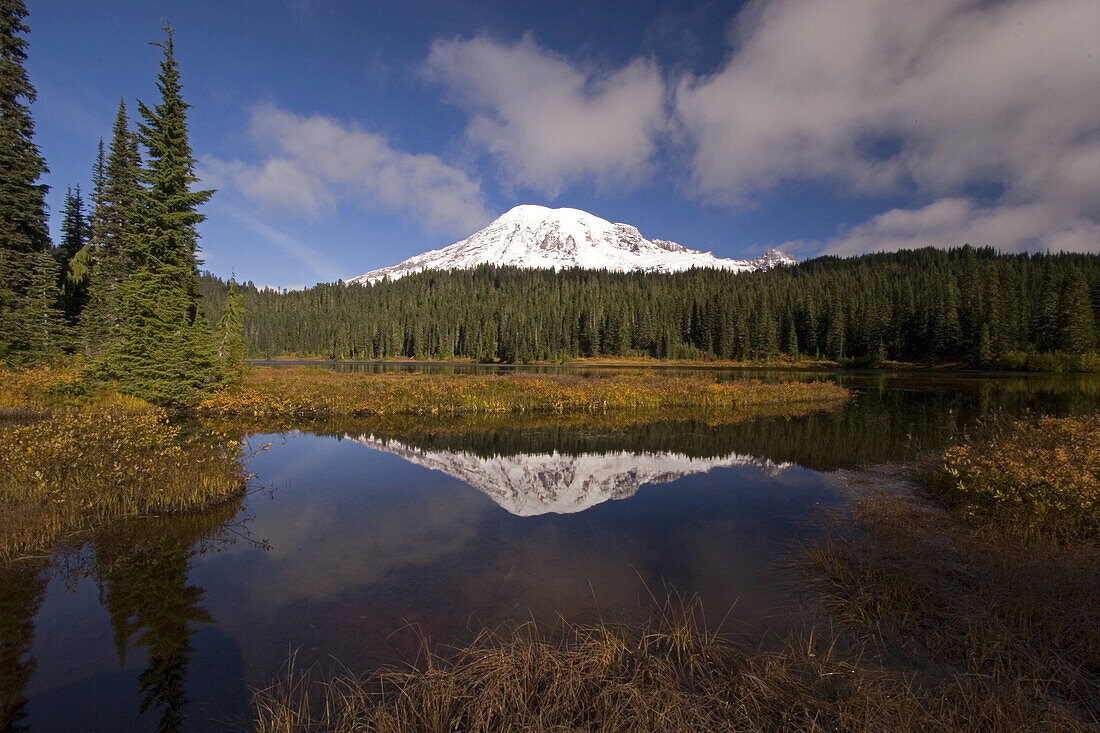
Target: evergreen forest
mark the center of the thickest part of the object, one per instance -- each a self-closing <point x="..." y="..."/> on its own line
<point x="962" y="305"/>
<point x="121" y="288"/>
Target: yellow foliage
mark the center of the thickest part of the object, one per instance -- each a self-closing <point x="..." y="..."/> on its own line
<point x="303" y="392"/>
<point x="76" y="469"/>
<point x="1049" y="466"/>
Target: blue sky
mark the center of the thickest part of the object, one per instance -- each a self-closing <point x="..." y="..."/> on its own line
<point x="346" y="136"/>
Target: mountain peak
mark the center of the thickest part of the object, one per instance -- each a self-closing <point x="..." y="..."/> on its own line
<point x="539" y="237"/>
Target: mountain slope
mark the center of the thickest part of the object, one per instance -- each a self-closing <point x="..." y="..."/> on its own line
<point x="539" y="237"/>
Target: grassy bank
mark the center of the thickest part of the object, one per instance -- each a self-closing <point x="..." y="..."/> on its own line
<point x="73" y="459"/>
<point x="467" y="423"/>
<point x="1058" y="362"/>
<point x="305" y="392"/>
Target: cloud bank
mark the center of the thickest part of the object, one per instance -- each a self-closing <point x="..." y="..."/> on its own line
<point x="551" y="122"/>
<point x="317" y="162"/>
<point x="931" y="100"/>
<point x="984" y="117"/>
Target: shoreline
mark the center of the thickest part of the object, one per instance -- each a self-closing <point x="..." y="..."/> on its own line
<point x="884" y="639"/>
<point x="809" y="367"/>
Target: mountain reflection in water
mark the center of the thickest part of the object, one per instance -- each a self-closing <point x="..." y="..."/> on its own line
<point x="529" y="484"/>
<point x="165" y="623"/>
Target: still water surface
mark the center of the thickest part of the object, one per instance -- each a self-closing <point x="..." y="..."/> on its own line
<point x="354" y="544"/>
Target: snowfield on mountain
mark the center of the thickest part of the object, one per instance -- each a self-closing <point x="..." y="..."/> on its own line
<point x="538" y="237"/>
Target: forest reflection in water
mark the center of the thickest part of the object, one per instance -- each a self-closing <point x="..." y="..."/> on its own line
<point x="140" y="570"/>
<point x="362" y="545"/>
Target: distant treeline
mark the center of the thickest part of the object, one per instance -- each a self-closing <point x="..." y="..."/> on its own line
<point x="964" y="304"/>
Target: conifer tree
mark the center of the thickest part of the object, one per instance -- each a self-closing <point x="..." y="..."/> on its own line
<point x="71" y="256"/>
<point x="22" y="199"/>
<point x="29" y="323"/>
<point x="98" y="173"/>
<point x="165" y="351"/>
<point x="113" y="233"/>
<point x="230" y="335"/>
<point x="77" y="276"/>
<point x="1077" y="329"/>
<point x="74" y="226"/>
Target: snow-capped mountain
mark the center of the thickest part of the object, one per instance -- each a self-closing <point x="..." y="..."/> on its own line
<point x="541" y="483"/>
<point x="539" y="237"/>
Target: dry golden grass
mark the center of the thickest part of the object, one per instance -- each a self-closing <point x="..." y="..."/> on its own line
<point x="671" y="675"/>
<point x="305" y="392"/>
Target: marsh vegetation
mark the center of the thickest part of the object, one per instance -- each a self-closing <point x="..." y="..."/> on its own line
<point x="73" y="459"/>
<point x="958" y="593"/>
<point x="304" y="392"/>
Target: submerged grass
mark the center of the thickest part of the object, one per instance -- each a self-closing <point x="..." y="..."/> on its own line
<point x="999" y="628"/>
<point x="306" y="392"/>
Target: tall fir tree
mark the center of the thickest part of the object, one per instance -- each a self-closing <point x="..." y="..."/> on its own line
<point x="230" y="335"/>
<point x="1077" y="328"/>
<point x="74" y="226"/>
<point x="71" y="256"/>
<point x="77" y="276"/>
<point x="165" y="351"/>
<point x="30" y="327"/>
<point x="113" y="233"/>
<point x="22" y="199"/>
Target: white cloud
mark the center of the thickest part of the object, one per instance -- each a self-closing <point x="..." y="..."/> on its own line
<point x="317" y="162"/>
<point x="549" y="121"/>
<point x="956" y="221"/>
<point x="930" y="97"/>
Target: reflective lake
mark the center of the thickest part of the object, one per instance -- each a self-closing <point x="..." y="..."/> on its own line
<point x="358" y="540"/>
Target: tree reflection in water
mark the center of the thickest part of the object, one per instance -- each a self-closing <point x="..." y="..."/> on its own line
<point x="141" y="567"/>
<point x="24" y="585"/>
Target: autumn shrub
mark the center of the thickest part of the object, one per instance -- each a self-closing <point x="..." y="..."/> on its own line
<point x="38" y="390"/>
<point x="75" y="469"/>
<point x="1047" y="468"/>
